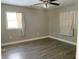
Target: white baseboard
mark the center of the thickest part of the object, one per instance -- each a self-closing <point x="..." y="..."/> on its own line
<point x="26" y="40"/>
<point x="37" y="38"/>
<point x="66" y="41"/>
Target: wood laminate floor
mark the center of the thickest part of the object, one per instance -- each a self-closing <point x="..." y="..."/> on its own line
<point x="40" y="49"/>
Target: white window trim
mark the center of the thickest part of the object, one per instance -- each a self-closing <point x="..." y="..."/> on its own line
<point x="7" y="22"/>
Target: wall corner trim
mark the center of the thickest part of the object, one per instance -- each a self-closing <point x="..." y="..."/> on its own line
<point x="59" y="39"/>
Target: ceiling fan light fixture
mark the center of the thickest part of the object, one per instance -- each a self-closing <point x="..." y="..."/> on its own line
<point x="46" y="5"/>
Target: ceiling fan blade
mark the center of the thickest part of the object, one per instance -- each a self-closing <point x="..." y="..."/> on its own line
<point x="53" y="0"/>
<point x="38" y="3"/>
<point x="55" y="4"/>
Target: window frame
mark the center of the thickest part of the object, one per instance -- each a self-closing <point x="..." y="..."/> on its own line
<point x="7" y="21"/>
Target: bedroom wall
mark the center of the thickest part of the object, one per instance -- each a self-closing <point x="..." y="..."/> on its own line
<point x="34" y="20"/>
<point x="38" y="22"/>
<point x="54" y="30"/>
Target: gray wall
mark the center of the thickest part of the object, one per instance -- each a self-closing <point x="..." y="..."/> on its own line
<point x="34" y="21"/>
<point x="53" y="15"/>
<point x="38" y="22"/>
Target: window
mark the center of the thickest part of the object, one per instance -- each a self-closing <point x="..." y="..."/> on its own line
<point x="14" y="20"/>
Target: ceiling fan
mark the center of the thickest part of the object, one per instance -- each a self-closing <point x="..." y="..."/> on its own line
<point x="46" y="2"/>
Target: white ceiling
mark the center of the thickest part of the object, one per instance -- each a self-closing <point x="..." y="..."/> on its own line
<point x="32" y="2"/>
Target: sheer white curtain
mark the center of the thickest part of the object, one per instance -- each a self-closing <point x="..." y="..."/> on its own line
<point x="66" y="22"/>
<point x="20" y="20"/>
<point x="23" y="24"/>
